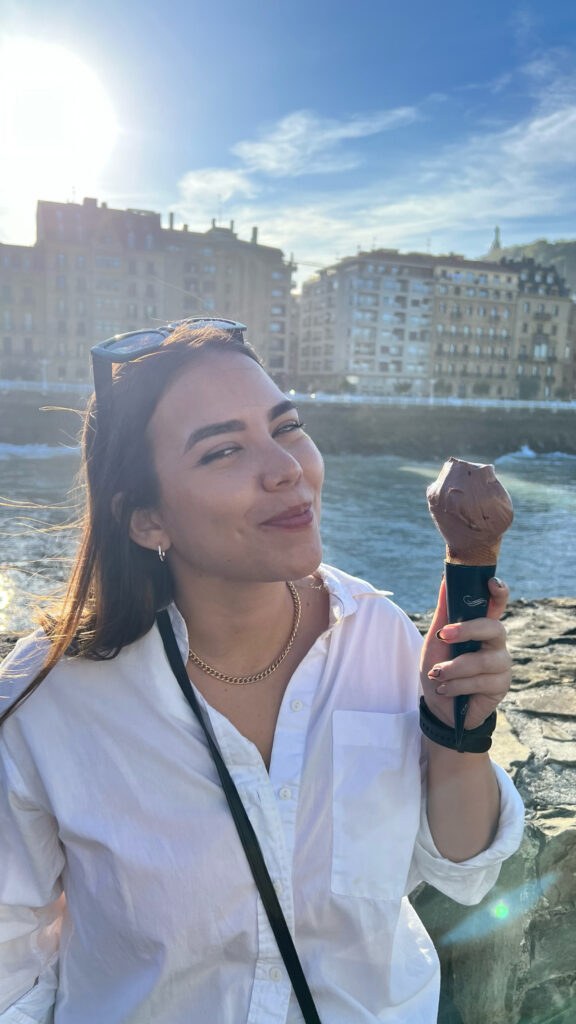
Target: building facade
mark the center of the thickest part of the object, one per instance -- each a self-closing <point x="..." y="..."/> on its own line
<point x="365" y="324"/>
<point x="544" y="349"/>
<point x="392" y="324"/>
<point x="95" y="272"/>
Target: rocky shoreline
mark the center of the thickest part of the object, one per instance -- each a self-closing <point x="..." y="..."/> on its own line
<point x="511" y="959"/>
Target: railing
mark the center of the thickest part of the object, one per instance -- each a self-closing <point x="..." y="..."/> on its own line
<point x="319" y="398"/>
<point x="47" y="387"/>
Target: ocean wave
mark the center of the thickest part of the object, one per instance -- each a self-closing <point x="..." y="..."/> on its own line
<point x="526" y="452"/>
<point x="35" y="451"/>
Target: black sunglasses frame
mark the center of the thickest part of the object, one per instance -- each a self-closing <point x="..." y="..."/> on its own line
<point x="108" y="352"/>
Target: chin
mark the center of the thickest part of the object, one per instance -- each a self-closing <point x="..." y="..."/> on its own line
<point x="305" y="565"/>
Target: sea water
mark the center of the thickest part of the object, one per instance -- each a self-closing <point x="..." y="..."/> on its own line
<point x="375" y="524"/>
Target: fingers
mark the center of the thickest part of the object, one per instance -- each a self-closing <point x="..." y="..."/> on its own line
<point x="489" y="632"/>
<point x="493" y="684"/>
<point x="499" y="594"/>
<point x="441" y="613"/>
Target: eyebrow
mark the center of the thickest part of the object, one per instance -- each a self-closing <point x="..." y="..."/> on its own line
<point x="232" y="426"/>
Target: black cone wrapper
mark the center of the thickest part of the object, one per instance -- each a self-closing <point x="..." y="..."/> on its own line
<point x="467" y="597"/>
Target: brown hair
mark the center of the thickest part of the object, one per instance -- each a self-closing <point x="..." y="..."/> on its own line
<point x="115" y="586"/>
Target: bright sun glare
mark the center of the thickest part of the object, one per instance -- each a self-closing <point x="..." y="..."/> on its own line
<point x="57" y="124"/>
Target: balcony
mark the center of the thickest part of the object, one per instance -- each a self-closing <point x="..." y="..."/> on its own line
<point x="542" y="316"/>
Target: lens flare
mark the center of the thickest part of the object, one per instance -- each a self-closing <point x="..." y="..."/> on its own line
<point x="499" y="913"/>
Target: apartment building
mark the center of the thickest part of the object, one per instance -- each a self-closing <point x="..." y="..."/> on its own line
<point x="365" y="324"/>
<point x="389" y="323"/>
<point x="95" y="272"/>
<point x="22" y="310"/>
<point x="474" y="316"/>
<point x="544" y="348"/>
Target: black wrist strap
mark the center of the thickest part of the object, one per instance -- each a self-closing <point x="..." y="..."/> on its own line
<point x="472" y="741"/>
<point x="246" y="833"/>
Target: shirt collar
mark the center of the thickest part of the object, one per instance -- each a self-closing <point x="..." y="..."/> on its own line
<point x="344" y="593"/>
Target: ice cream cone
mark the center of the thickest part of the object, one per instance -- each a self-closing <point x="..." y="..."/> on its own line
<point x="472" y="511"/>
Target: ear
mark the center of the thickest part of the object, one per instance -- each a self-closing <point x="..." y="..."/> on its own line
<point x="146" y="529"/>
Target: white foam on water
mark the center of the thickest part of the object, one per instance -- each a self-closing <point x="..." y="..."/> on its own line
<point x="36" y="451"/>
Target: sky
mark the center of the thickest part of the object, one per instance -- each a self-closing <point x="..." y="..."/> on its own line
<point x="331" y="126"/>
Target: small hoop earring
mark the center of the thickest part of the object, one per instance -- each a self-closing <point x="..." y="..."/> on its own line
<point x="161" y="553"/>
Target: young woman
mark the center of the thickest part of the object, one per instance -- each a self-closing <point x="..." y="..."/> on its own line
<point x="126" y="894"/>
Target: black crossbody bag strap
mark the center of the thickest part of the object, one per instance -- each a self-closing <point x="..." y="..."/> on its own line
<point x="245" y="831"/>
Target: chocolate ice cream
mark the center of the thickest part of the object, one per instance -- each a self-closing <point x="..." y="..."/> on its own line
<point x="472" y="511"/>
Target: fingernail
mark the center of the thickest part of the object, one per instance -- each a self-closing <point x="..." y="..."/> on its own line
<point x="441" y="688"/>
<point x="439" y="635"/>
<point x="434" y="673"/>
<point x="498" y="582"/>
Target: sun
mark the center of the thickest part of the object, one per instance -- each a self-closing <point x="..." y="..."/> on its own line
<point x="57" y="123"/>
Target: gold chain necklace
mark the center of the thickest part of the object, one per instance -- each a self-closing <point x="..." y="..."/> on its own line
<point x="242" y="680"/>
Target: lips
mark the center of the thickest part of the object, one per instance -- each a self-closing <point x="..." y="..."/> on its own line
<point x="292" y="518"/>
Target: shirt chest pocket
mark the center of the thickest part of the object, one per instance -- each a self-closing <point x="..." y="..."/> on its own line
<point x="376" y="801"/>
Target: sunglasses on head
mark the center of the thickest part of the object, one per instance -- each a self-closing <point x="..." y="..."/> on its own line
<point x="123" y="348"/>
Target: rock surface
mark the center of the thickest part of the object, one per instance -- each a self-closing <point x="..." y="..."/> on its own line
<point x="512" y="959"/>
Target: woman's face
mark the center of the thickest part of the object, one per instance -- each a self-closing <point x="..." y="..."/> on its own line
<point x="239" y="479"/>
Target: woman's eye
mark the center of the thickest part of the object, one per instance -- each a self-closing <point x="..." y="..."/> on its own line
<point x="287" y="428"/>
<point x="222" y="453"/>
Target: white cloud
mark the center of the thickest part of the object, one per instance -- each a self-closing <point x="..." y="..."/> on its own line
<point x="303" y="143"/>
<point x="203" y="192"/>
<point x="512" y="176"/>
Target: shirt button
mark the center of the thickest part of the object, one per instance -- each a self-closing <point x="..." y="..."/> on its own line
<point x="275" y="974"/>
<point x="296" y="705"/>
<point x="285" y="793"/>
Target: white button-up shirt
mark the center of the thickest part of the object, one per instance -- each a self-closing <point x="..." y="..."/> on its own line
<point x="109" y="793"/>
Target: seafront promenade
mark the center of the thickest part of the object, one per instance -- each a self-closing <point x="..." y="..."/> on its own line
<point x="359" y="424"/>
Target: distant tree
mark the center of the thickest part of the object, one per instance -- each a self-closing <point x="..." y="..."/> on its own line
<point x="402" y="387"/>
<point x="563" y="393"/>
<point x="481" y="388"/>
<point x="528" y="388"/>
<point x="443" y="388"/>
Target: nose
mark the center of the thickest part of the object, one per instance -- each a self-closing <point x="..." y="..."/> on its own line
<point x="280" y="469"/>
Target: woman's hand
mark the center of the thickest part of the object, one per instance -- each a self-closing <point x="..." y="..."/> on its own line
<point x="485" y="674"/>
